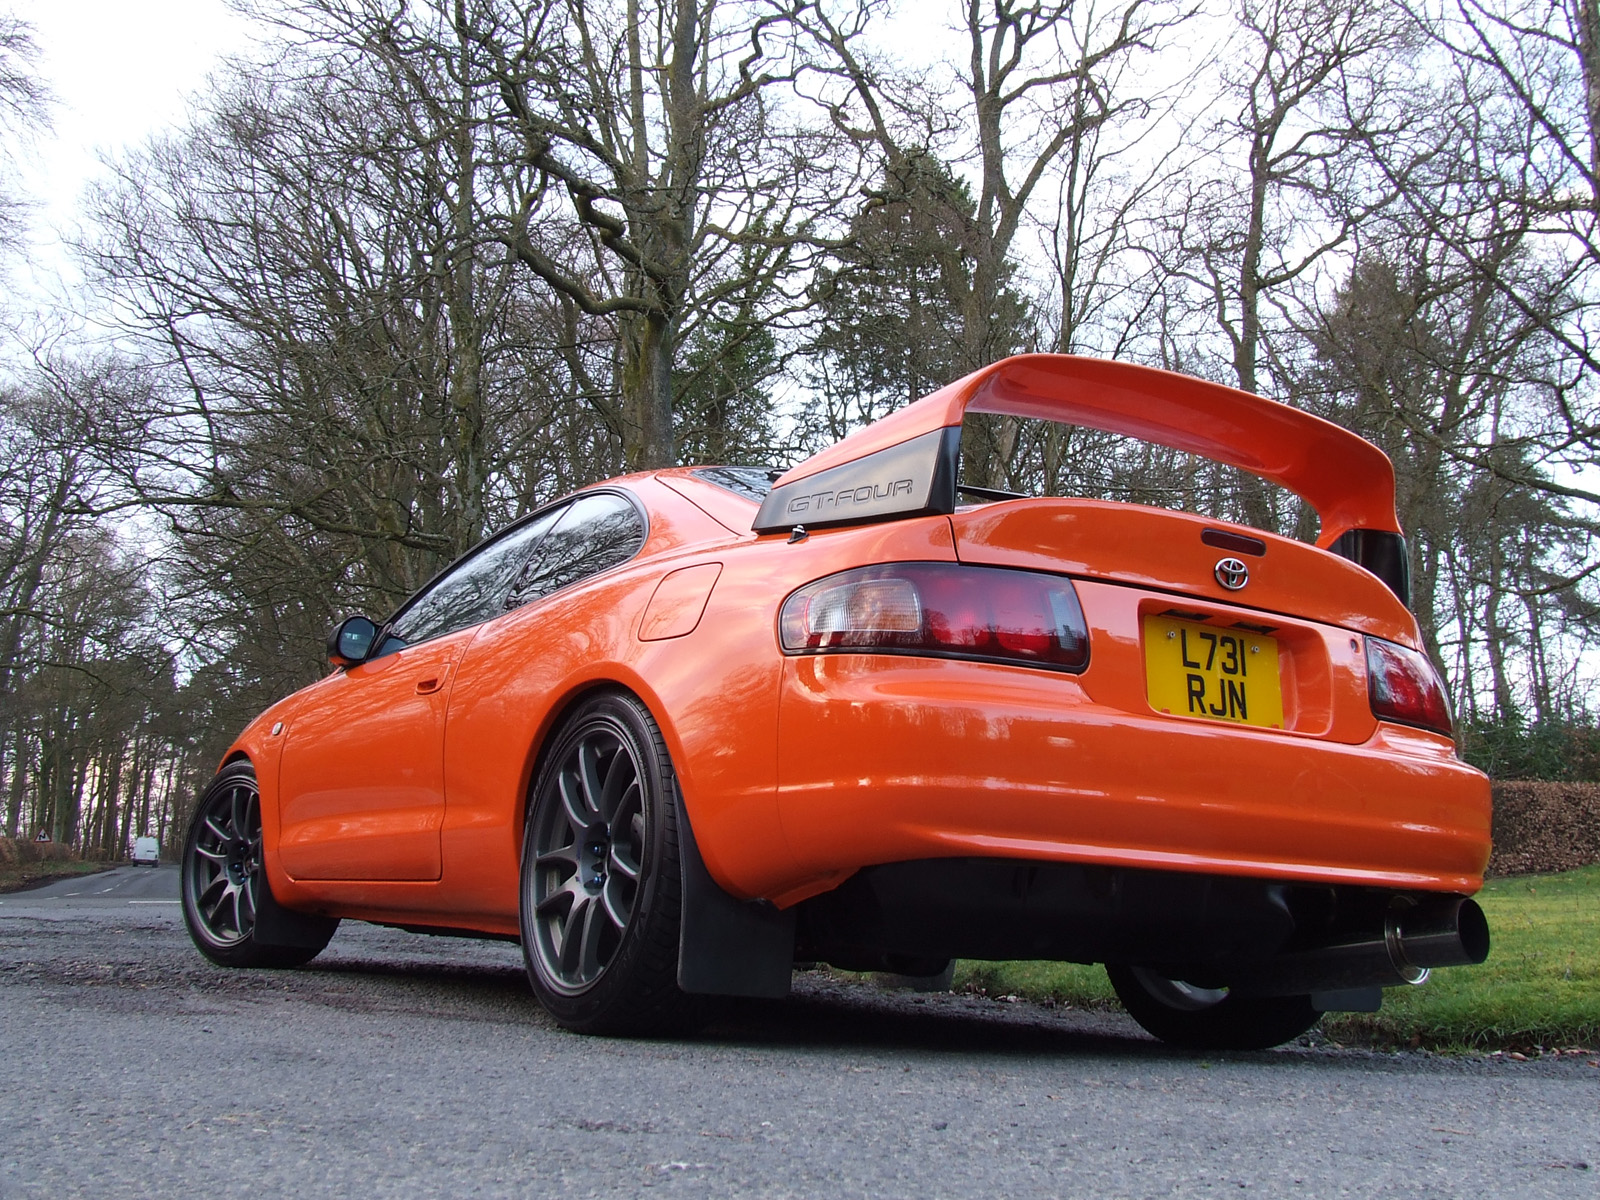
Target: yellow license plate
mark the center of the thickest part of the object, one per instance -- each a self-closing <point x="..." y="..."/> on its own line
<point x="1196" y="670"/>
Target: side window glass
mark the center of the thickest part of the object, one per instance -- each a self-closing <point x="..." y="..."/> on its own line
<point x="475" y="588"/>
<point x="595" y="533"/>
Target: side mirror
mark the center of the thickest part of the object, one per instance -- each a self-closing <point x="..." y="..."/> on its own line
<point x="351" y="641"/>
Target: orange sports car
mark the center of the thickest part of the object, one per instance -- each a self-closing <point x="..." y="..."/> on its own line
<point x="682" y="729"/>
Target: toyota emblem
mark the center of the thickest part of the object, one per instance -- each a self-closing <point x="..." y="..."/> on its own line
<point x="1231" y="573"/>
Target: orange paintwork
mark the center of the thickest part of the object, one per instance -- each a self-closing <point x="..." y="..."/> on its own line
<point x="1162" y="550"/>
<point x="678" y="603"/>
<point x="1350" y="482"/>
<point x="929" y="758"/>
<point x="394" y="790"/>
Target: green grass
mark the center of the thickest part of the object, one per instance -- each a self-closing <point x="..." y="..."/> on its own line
<point x="1539" y="989"/>
<point x="1069" y="984"/>
<point x="16" y="876"/>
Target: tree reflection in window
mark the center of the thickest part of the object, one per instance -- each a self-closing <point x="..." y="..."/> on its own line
<point x="475" y="588"/>
<point x="596" y="532"/>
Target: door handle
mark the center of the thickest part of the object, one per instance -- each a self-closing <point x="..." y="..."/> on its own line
<point x="432" y="683"/>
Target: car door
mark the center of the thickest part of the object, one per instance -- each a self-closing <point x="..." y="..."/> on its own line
<point x="361" y="784"/>
<point x="504" y="687"/>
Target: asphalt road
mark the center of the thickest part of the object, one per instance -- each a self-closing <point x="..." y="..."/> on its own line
<point x="401" y="1065"/>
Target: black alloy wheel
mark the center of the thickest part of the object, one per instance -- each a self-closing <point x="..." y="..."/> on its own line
<point x="223" y="884"/>
<point x="601" y="889"/>
<point x="1196" y="1018"/>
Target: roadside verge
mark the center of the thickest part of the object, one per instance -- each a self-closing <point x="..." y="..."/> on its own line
<point x="1538" y="993"/>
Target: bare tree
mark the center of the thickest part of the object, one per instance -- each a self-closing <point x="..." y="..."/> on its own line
<point x="663" y="135"/>
<point x="346" y="389"/>
<point x="80" y="657"/>
<point x="1035" y="86"/>
<point x="1508" y="167"/>
<point x="1277" y="182"/>
<point x="48" y="484"/>
<point x="892" y="303"/>
<point x="1037" y="82"/>
<point x="24" y="107"/>
<point x="1426" y="357"/>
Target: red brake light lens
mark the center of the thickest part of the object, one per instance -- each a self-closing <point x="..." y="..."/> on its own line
<point x="940" y="610"/>
<point x="1404" y="687"/>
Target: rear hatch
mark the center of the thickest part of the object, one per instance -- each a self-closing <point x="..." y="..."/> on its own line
<point x="1169" y="636"/>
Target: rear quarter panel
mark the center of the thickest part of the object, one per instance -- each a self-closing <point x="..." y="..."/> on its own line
<point x="714" y="691"/>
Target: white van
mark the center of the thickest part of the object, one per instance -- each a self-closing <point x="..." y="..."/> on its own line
<point x="147" y="850"/>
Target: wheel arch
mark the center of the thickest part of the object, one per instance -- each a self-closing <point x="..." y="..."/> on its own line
<point x="614" y="679"/>
<point x="727" y="946"/>
<point x="544" y="737"/>
<point x="276" y="936"/>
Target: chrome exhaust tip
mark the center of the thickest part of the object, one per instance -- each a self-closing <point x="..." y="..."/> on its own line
<point x="1450" y="933"/>
<point x="1395" y="946"/>
<point x="1414" y="936"/>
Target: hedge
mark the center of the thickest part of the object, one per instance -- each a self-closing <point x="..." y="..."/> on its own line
<point x="1541" y="828"/>
<point x="15" y="852"/>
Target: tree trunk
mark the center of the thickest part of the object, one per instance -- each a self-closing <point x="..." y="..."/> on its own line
<point x="1588" y="22"/>
<point x="466" y="323"/>
<point x="110" y="789"/>
<point x="647" y="392"/>
<point x="19" y="775"/>
<point x="75" y="802"/>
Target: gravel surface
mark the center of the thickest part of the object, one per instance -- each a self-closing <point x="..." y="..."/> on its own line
<point x="401" y="1065"/>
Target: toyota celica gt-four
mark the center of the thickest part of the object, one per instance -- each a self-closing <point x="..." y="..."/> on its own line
<point x="682" y="729"/>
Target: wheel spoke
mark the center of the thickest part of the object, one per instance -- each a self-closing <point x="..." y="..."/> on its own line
<point x="620" y="776"/>
<point x="237" y="818"/>
<point x="589" y="775"/>
<point x="572" y="932"/>
<point x="248" y="896"/>
<point x="214" y="829"/>
<point x="222" y="900"/>
<point x="594" y="925"/>
<point x="627" y="813"/>
<point x="572" y="801"/>
<point x="618" y="906"/>
<point x="560" y="856"/>
<point x="621" y="862"/>
<point x="215" y="856"/>
<point x="571" y="890"/>
<point x="217" y="882"/>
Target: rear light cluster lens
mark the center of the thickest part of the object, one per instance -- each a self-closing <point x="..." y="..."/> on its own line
<point x="943" y="610"/>
<point x="1404" y="687"/>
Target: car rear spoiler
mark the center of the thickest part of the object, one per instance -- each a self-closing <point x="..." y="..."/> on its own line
<point x="906" y="464"/>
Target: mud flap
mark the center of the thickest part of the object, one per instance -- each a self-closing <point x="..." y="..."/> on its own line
<point x="726" y="946"/>
<point x="1369" y="999"/>
<point x="280" y="926"/>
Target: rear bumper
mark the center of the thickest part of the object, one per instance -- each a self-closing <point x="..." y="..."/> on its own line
<point x="885" y="760"/>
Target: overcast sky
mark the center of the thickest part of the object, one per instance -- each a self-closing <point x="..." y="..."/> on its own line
<point x="120" y="70"/>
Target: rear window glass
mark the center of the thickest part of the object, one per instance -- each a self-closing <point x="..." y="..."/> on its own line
<point x="753" y="483"/>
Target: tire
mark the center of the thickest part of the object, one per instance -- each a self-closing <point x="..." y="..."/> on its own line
<point x="222" y="880"/>
<point x="601" y="894"/>
<point x="1209" y="1019"/>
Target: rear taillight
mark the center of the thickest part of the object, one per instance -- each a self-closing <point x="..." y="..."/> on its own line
<point x="1404" y="687"/>
<point x="943" y="610"/>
